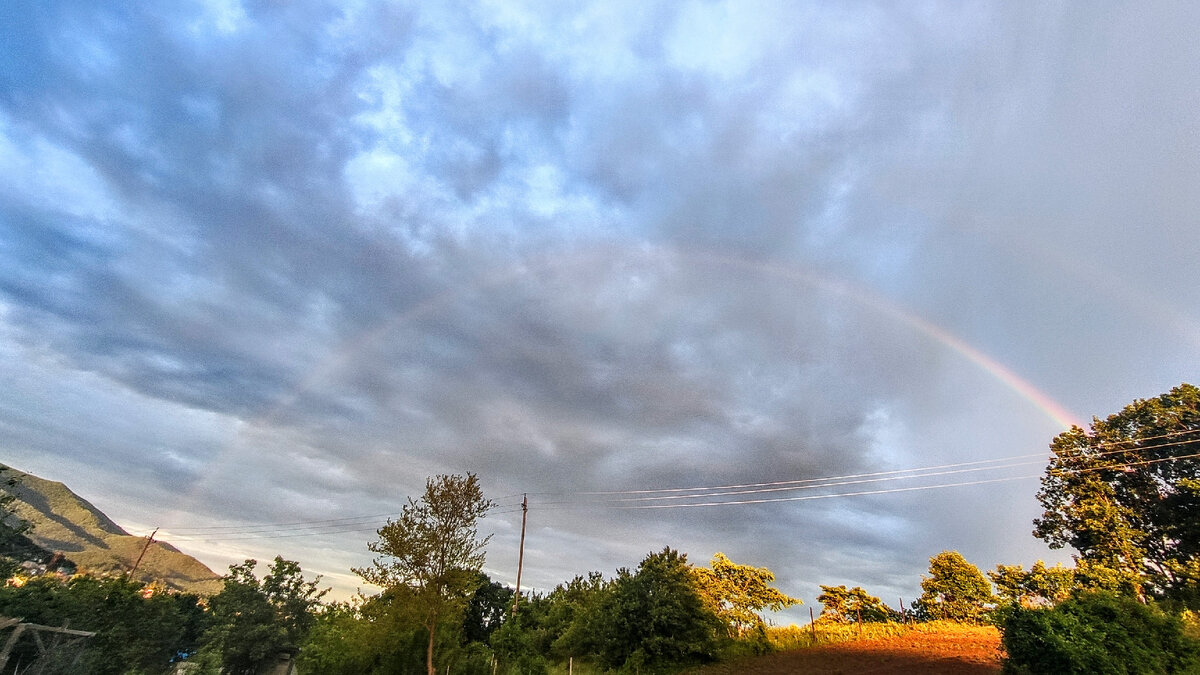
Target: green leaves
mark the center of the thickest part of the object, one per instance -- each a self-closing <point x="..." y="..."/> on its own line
<point x="1097" y="632"/>
<point x="852" y="605"/>
<point x="253" y="621"/>
<point x="1126" y="496"/>
<point x="955" y="590"/>
<point x="433" y="551"/>
<point x="738" y="593"/>
<point x="1039" y="586"/>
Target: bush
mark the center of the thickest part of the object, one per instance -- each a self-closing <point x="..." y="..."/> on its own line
<point x="1094" y="633"/>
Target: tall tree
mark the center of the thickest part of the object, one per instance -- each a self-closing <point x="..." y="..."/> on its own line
<point x="653" y="618"/>
<point x="434" y="549"/>
<point x="1126" y="496"/>
<point x="955" y="590"/>
<point x="739" y="593"/>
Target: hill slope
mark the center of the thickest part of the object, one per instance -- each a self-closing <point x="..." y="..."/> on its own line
<point x="64" y="521"/>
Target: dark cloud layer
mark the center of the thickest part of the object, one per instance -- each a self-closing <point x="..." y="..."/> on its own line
<point x="264" y="263"/>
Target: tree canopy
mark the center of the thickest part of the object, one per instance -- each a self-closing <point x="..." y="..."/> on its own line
<point x="254" y="621"/>
<point x="739" y="593"/>
<point x="649" y="618"/>
<point x="1039" y="586"/>
<point x="1126" y="495"/>
<point x="433" y="549"/>
<point x="955" y="589"/>
<point x="852" y="605"/>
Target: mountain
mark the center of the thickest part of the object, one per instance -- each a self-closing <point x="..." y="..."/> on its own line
<point x="65" y="522"/>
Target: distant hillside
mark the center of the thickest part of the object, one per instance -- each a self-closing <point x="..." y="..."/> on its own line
<point x="65" y="522"/>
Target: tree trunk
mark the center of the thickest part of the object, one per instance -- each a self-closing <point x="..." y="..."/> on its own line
<point x="432" y="626"/>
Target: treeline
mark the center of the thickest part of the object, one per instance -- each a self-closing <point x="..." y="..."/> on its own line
<point x="1124" y="495"/>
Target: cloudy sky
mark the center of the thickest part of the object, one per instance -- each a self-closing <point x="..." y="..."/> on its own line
<point x="267" y="266"/>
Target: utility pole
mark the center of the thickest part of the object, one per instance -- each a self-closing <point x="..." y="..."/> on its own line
<point x="521" y="555"/>
<point x="149" y="540"/>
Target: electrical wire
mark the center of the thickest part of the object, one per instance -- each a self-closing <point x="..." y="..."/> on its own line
<point x="682" y="497"/>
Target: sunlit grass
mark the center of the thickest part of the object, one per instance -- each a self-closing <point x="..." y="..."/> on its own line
<point x="786" y="638"/>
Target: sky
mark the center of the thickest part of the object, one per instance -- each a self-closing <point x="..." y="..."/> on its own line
<point x="265" y="267"/>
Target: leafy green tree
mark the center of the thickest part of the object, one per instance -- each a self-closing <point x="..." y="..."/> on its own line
<point x="955" y="590"/>
<point x="433" y="548"/>
<point x="1126" y="496"/>
<point x="1037" y="587"/>
<point x="516" y="647"/>
<point x="558" y="620"/>
<point x="739" y="593"/>
<point x="339" y="642"/>
<point x="852" y="605"/>
<point x="652" y="619"/>
<point x="253" y="621"/>
<point x="487" y="609"/>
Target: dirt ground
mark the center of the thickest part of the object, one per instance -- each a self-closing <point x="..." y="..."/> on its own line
<point x="974" y="650"/>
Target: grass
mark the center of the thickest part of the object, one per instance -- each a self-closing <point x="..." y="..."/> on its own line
<point x="786" y="638"/>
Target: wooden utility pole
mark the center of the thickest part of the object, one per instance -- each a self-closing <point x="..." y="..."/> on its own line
<point x="521" y="555"/>
<point x="149" y="540"/>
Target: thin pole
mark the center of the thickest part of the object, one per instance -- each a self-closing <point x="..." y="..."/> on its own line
<point x="149" y="540"/>
<point x="521" y="555"/>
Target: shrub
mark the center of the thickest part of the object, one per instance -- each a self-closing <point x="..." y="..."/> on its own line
<point x="1094" y="633"/>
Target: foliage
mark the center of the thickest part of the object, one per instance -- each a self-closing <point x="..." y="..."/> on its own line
<point x="1039" y="586"/>
<point x="1126" y="496"/>
<point x="651" y="619"/>
<point x="516" y="647"/>
<point x="254" y="621"/>
<point x="433" y="548"/>
<point x="956" y="590"/>
<point x="487" y="609"/>
<point x="1097" y="632"/>
<point x="844" y="605"/>
<point x="738" y="593"/>
<point x="337" y="643"/>
<point x="135" y="630"/>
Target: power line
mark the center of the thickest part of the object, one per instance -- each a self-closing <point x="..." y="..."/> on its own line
<point x="617" y="505"/>
<point x="643" y="498"/>
<point x="881" y="473"/>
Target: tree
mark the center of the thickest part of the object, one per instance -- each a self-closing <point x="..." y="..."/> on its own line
<point x="433" y="548"/>
<point x="1040" y="586"/>
<point x="852" y="605"/>
<point x="738" y="593"/>
<point x="1126" y="496"/>
<point x="254" y="621"/>
<point x="487" y="609"/>
<point x="652" y="618"/>
<point x="956" y="590"/>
